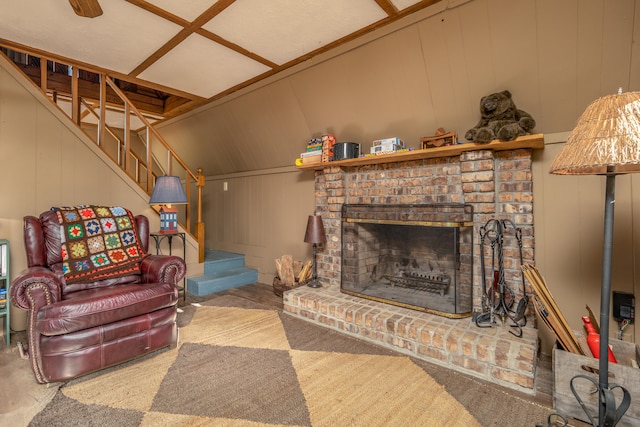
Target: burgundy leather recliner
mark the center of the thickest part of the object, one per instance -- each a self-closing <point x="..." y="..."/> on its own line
<point x="75" y="329"/>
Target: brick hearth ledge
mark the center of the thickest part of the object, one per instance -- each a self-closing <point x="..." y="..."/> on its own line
<point x="492" y="354"/>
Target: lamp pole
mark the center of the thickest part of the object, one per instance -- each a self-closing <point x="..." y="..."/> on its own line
<point x="605" y="141"/>
<point x="606" y="411"/>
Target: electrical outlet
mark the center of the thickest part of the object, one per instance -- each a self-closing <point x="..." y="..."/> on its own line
<point x="225" y="186"/>
<point x="623" y="306"/>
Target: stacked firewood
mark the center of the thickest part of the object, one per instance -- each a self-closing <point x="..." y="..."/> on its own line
<point x="290" y="271"/>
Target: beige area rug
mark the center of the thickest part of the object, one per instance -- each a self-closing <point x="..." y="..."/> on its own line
<point x="241" y="364"/>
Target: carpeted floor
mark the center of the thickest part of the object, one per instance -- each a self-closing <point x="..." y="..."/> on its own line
<point x="242" y="364"/>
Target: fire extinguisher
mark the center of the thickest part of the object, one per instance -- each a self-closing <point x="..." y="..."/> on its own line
<point x="593" y="340"/>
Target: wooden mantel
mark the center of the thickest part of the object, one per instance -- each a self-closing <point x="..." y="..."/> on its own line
<point x="528" y="141"/>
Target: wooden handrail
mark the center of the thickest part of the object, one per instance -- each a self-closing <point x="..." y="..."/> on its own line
<point x="143" y="119"/>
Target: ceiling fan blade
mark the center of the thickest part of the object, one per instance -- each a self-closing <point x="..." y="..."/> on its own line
<point x="86" y="8"/>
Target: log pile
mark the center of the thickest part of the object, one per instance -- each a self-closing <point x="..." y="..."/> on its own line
<point x="291" y="274"/>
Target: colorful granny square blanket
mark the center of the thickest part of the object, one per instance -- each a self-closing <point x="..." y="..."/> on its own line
<point x="98" y="242"/>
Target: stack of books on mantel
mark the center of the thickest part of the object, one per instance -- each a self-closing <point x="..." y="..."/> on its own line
<point x="313" y="154"/>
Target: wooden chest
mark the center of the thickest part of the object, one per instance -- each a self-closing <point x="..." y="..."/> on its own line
<point x="567" y="365"/>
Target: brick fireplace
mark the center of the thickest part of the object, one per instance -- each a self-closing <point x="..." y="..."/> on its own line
<point x="496" y="180"/>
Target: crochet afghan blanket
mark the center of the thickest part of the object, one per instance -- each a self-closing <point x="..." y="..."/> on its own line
<point x="98" y="242"/>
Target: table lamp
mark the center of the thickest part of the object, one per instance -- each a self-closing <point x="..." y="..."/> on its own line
<point x="315" y="235"/>
<point x="168" y="191"/>
<point x="605" y="141"/>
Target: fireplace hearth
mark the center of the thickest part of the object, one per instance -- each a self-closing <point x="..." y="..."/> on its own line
<point x="414" y="256"/>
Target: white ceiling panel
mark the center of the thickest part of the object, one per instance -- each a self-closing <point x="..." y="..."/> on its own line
<point x="282" y="30"/>
<point x="201" y="67"/>
<point x="118" y="39"/>
<point x="403" y="4"/>
<point x="188" y="10"/>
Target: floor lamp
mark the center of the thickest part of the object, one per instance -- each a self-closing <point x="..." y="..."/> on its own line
<point x="605" y="141"/>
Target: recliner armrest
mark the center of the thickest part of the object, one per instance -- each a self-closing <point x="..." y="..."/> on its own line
<point x="35" y="287"/>
<point x="163" y="269"/>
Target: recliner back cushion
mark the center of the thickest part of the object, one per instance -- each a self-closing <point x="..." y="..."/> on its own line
<point x="52" y="242"/>
<point x="53" y="252"/>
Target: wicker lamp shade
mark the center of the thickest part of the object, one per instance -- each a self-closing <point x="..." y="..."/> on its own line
<point x="605" y="140"/>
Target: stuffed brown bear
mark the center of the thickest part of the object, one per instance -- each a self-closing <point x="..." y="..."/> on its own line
<point x="500" y="120"/>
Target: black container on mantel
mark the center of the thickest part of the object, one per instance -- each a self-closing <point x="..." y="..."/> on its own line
<point x="346" y="150"/>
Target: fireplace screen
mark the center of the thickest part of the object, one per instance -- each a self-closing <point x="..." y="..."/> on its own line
<point x="414" y="256"/>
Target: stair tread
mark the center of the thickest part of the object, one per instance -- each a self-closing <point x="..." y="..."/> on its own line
<point x="221" y="280"/>
<point x="224" y="273"/>
<point x="212" y="255"/>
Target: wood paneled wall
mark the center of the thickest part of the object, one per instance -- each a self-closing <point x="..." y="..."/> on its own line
<point x="428" y="71"/>
<point x="262" y="215"/>
<point x="425" y="72"/>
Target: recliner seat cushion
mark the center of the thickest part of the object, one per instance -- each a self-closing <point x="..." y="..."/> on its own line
<point x="70" y="355"/>
<point x="101" y="306"/>
<point x="69" y="289"/>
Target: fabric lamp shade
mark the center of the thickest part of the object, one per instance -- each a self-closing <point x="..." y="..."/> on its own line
<point x="315" y="231"/>
<point x="168" y="190"/>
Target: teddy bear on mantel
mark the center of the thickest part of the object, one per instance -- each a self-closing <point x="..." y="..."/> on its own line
<point x="500" y="120"/>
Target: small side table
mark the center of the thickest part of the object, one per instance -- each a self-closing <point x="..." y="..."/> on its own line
<point x="159" y="237"/>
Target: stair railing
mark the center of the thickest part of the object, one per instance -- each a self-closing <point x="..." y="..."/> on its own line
<point x="121" y="155"/>
<point x="151" y="135"/>
<point x="193" y="181"/>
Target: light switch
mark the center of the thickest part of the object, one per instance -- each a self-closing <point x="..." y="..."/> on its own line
<point x="225" y="186"/>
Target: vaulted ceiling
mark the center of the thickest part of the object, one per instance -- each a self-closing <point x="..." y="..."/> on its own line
<point x="192" y="52"/>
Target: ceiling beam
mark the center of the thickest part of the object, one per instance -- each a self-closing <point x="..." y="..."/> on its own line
<point x="164" y="49"/>
<point x="381" y="23"/>
<point x="236" y="48"/>
<point x="388" y="7"/>
<point x="189" y="29"/>
<point x="86" y="8"/>
<point x="159" y="12"/>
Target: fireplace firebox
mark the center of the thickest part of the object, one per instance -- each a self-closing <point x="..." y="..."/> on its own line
<point x="413" y="256"/>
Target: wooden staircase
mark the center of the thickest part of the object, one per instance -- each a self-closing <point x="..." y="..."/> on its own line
<point x="135" y="149"/>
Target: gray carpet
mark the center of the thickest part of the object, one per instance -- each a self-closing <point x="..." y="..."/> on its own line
<point x="242" y="364"/>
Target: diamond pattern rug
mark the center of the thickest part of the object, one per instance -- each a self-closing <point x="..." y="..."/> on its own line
<point x="241" y="364"/>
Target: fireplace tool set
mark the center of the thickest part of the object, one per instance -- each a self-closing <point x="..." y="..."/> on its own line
<point x="498" y="301"/>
